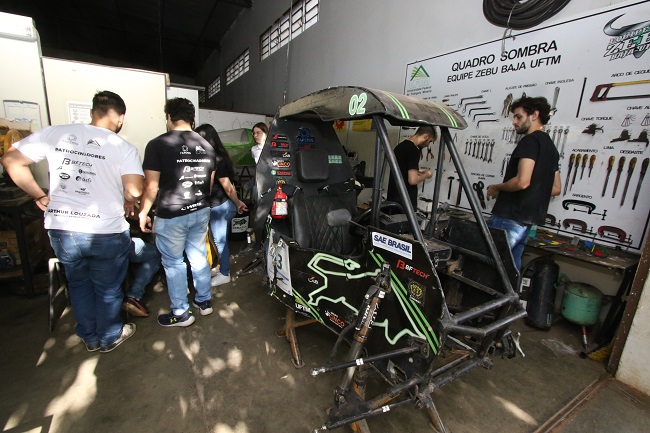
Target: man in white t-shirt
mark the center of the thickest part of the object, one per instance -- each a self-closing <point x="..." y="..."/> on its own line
<point x="93" y="172"/>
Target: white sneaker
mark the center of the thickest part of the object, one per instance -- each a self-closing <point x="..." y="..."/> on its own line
<point x="219" y="280"/>
<point x="215" y="272"/>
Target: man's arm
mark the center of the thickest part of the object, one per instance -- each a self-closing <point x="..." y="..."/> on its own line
<point x="517" y="183"/>
<point x="17" y="165"/>
<point x="133" y="186"/>
<point x="417" y="176"/>
<point x="151" y="180"/>
<point x="557" y="185"/>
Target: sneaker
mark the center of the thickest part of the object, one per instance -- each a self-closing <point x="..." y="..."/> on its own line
<point x="127" y="331"/>
<point x="170" y="319"/>
<point x="135" y="307"/>
<point x="215" y="271"/>
<point x="92" y="347"/>
<point x="219" y="280"/>
<point x="205" y="307"/>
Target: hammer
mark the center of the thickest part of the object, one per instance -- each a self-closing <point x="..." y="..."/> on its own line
<point x="451" y="180"/>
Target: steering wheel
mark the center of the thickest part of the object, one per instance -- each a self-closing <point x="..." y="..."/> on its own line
<point x="364" y="217"/>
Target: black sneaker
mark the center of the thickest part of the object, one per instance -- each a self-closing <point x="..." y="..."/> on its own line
<point x="92" y="347"/>
<point x="170" y="319"/>
<point x="127" y="331"/>
<point x="205" y="307"/>
<point x="135" y="307"/>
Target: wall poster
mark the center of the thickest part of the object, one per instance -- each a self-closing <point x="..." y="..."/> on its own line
<point x="595" y="72"/>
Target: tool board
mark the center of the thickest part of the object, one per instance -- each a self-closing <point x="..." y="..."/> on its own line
<point x="595" y="72"/>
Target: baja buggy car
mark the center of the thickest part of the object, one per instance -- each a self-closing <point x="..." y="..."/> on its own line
<point x="420" y="307"/>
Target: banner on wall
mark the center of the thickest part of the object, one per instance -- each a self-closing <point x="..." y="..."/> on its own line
<point x="595" y="72"/>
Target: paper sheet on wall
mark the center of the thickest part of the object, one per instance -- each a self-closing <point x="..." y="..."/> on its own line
<point x="79" y="112"/>
<point x="24" y="111"/>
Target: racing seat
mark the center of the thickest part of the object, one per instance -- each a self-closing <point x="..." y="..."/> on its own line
<point x="320" y="214"/>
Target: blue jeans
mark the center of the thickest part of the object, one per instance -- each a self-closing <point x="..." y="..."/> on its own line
<point x="187" y="234"/>
<point x="95" y="266"/>
<point x="220" y="218"/>
<point x="149" y="258"/>
<point x="516" y="233"/>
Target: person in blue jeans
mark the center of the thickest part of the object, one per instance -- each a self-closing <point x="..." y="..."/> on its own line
<point x="532" y="176"/>
<point x="84" y="212"/>
<point x="179" y="170"/>
<point x="149" y="259"/>
<point x="224" y="203"/>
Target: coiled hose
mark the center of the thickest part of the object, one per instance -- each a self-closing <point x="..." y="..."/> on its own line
<point x="521" y="15"/>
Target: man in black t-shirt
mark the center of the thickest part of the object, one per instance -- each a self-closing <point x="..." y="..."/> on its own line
<point x="531" y="178"/>
<point x="179" y="166"/>
<point x="407" y="154"/>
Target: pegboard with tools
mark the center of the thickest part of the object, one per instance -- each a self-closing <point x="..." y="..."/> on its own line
<point x="594" y="72"/>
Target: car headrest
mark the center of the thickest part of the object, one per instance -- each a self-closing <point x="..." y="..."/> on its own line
<point x="312" y="165"/>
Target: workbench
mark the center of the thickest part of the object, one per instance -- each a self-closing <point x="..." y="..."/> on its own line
<point x="623" y="263"/>
<point x="25" y="222"/>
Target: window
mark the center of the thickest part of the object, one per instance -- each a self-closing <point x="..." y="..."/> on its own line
<point x="214" y="87"/>
<point x="238" y="67"/>
<point x="302" y="15"/>
<point x="201" y="96"/>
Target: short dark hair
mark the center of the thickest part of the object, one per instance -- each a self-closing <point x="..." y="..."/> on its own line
<point x="530" y="105"/>
<point x="180" y="109"/>
<point x="428" y="129"/>
<point x="106" y="100"/>
<point x="262" y="126"/>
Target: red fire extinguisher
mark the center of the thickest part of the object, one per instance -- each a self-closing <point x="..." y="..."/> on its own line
<point x="280" y="208"/>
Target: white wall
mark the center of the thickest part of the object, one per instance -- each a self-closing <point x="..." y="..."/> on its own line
<point x="361" y="42"/>
<point x="143" y="93"/>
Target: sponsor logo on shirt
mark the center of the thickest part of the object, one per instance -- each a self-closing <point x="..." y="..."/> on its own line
<point x="64" y="176"/>
<point x="83" y="179"/>
<point x="199" y="182"/>
<point x="281" y="172"/>
<point x="71" y="139"/>
<point x="280" y="137"/>
<point x="187" y="169"/>
<point x="87" y="172"/>
<point x="199" y="149"/>
<point x="81" y="191"/>
<point x="76" y="152"/>
<point x="198" y="194"/>
<point x="93" y="144"/>
<point x="187" y="194"/>
<point x="187" y="184"/>
<point x="185" y="150"/>
<point x="193" y="206"/>
<point x="280" y="144"/>
<point x="68" y="161"/>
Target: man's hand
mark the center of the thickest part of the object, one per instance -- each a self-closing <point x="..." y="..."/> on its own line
<point x="145" y="223"/>
<point x="492" y="192"/>
<point x="428" y="174"/>
<point x="241" y="207"/>
<point x="129" y="208"/>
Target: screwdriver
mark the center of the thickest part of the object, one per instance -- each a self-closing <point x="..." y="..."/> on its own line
<point x="621" y="164"/>
<point x="592" y="160"/>
<point x="644" y="168"/>
<point x="610" y="164"/>
<point x="630" y="169"/>
<point x="584" y="164"/>
<point x="566" y="183"/>
<point x="575" y="172"/>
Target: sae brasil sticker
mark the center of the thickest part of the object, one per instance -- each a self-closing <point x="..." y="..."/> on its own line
<point x="396" y="246"/>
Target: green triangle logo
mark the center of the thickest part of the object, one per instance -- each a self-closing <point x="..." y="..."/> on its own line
<point x="419" y="72"/>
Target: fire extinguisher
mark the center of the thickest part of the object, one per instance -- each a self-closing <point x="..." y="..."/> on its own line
<point x="280" y="208"/>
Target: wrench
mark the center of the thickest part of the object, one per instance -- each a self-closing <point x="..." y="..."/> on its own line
<point x="491" y="150"/>
<point x="566" y="134"/>
<point x="473" y="103"/>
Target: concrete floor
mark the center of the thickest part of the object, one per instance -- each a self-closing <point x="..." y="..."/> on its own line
<point x="229" y="373"/>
